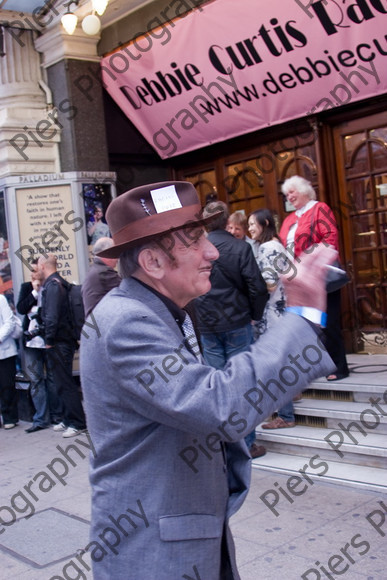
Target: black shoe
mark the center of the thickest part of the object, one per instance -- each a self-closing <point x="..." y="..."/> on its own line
<point x="34" y="428"/>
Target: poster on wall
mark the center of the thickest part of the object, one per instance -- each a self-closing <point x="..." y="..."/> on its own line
<point x="6" y="286"/>
<point x="227" y="69"/>
<point x="97" y="197"/>
<point x="47" y="224"/>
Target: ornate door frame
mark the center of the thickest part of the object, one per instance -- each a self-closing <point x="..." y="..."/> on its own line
<point x="360" y="154"/>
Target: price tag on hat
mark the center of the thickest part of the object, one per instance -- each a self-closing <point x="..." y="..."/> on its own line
<point x="165" y="198"/>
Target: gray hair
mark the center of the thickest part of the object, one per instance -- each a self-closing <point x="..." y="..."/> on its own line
<point x="128" y="263"/>
<point x="300" y="184"/>
<point x="102" y="244"/>
<point x="220" y="222"/>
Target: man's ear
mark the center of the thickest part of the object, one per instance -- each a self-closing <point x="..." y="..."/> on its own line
<point x="152" y="262"/>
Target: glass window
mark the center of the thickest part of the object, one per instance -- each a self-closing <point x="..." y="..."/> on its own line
<point x="360" y="193"/>
<point x="381" y="190"/>
<point x="356" y="155"/>
<point x="245" y="186"/>
<point x="369" y="302"/>
<point x="364" y="231"/>
<point x="366" y="266"/>
<point x="382" y="227"/>
<point x="379" y="148"/>
<point x="205" y="184"/>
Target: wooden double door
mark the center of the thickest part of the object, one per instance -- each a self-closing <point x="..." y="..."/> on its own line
<point x="347" y="165"/>
<point x="361" y="206"/>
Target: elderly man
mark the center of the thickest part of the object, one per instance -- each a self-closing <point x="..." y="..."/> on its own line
<point x="101" y="278"/>
<point x="169" y="463"/>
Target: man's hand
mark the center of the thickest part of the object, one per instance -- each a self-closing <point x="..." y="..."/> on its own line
<point x="35" y="284"/>
<point x="307" y="287"/>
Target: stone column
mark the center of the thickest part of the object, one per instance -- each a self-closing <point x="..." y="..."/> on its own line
<point x="29" y="135"/>
<point x="72" y="66"/>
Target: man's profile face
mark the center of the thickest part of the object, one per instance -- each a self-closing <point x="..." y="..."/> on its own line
<point x="36" y="274"/>
<point x="41" y="268"/>
<point x="188" y="274"/>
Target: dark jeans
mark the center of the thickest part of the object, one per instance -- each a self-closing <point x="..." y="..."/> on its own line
<point x="48" y="407"/>
<point x="287" y="412"/>
<point x="219" y="347"/>
<point x="60" y="371"/>
<point x="8" y="393"/>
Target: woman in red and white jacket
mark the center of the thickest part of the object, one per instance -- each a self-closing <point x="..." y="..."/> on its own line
<point x="313" y="222"/>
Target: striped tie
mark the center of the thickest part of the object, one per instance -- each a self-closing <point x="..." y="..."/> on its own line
<point x="190" y="337"/>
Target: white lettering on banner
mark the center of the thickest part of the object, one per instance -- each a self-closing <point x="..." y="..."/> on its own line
<point x="254" y="71"/>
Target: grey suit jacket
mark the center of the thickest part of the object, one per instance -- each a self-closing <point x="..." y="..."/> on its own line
<point x="170" y="464"/>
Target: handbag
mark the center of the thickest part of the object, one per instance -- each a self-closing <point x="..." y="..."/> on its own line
<point x="18" y="330"/>
<point x="336" y="277"/>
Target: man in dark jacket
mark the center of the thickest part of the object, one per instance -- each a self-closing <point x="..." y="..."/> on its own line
<point x="43" y="393"/>
<point x="238" y="295"/>
<point x="101" y="278"/>
<point x="60" y="346"/>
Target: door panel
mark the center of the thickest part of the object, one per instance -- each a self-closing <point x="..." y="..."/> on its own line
<point x="205" y="183"/>
<point x="361" y="154"/>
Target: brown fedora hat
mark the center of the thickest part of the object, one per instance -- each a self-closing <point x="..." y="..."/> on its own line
<point x="149" y="211"/>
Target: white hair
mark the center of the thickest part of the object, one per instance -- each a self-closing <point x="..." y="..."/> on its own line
<point x="299" y="184"/>
<point x="102" y="244"/>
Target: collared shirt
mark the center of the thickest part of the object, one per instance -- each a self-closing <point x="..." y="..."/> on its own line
<point x="299" y="213"/>
<point x="305" y="208"/>
<point x="179" y="315"/>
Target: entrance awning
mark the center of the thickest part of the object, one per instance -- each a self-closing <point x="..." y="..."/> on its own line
<point x="227" y="69"/>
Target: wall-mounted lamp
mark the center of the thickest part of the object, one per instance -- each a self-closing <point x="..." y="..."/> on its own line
<point x="91" y="24"/>
<point x="69" y="21"/>
<point x="99" y="6"/>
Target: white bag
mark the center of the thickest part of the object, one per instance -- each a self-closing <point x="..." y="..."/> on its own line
<point x="18" y="330"/>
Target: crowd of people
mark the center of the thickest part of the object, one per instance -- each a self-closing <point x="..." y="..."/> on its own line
<point x="247" y="298"/>
<point x="49" y="343"/>
<point x="193" y="285"/>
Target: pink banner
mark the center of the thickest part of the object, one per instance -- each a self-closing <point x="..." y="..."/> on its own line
<point x="229" y="68"/>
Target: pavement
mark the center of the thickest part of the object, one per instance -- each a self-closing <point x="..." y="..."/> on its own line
<point x="287" y="528"/>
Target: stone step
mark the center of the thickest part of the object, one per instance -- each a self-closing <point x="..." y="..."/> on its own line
<point x="334" y="413"/>
<point x="363" y="463"/>
<point x="351" y="475"/>
<point x="358" y="384"/>
<point x="368" y="376"/>
<point x="367" y="450"/>
<point x="359" y="391"/>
